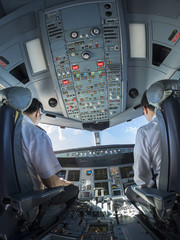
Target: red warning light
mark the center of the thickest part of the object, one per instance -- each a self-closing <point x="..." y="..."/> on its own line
<point x="65" y="82"/>
<point x="176" y="37"/>
<point x="4" y="65"/>
<point x="100" y="64"/>
<point x="75" y="67"/>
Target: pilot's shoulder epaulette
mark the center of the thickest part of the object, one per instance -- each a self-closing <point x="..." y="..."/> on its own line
<point x="41" y="128"/>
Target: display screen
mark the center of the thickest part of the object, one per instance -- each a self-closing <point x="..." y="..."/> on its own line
<point x="61" y="174"/>
<point x="85" y="194"/>
<point x="74" y="175"/>
<point x="100" y="174"/>
<point x="116" y="193"/>
<point x="126" y="172"/>
<point x="103" y="185"/>
<point x="98" y="228"/>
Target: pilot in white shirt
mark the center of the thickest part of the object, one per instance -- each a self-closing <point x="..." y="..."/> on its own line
<point x="147" y="152"/>
<point x="37" y="150"/>
<point x="40" y="159"/>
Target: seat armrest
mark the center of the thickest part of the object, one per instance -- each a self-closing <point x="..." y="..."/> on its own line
<point x="26" y="201"/>
<point x="161" y="200"/>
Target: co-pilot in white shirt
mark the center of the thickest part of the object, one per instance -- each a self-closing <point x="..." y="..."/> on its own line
<point x="147" y="153"/>
<point x="38" y="153"/>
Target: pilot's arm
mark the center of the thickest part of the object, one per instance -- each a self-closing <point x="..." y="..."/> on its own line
<point x="44" y="160"/>
<point x="55" y="181"/>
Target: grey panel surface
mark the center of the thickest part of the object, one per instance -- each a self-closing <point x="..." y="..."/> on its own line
<point x="46" y="87"/>
<point x="163" y="35"/>
<point x="13" y="54"/>
<point x="10" y="30"/>
<point x="166" y="8"/>
<point x="144" y="77"/>
<point x="80" y="16"/>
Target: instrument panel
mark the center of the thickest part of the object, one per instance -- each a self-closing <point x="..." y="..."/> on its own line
<point x="87" y="59"/>
<point x="100" y="171"/>
<point x="111" y="179"/>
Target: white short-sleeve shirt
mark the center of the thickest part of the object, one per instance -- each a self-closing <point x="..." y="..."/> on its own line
<point x="147" y="153"/>
<point x="38" y="153"/>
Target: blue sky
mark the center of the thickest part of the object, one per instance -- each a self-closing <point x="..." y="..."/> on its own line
<point x="69" y="138"/>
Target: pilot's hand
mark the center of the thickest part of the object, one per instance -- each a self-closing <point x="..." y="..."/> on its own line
<point x="65" y="182"/>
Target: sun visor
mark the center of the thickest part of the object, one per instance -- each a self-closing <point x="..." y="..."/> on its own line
<point x="18" y="98"/>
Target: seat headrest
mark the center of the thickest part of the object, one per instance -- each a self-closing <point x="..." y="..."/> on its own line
<point x="161" y="90"/>
<point x="18" y="98"/>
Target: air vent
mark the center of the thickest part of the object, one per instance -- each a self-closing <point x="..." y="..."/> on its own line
<point x="110" y="32"/>
<point x="55" y="30"/>
<point x="20" y="73"/>
<point x="160" y="53"/>
<point x="114" y="68"/>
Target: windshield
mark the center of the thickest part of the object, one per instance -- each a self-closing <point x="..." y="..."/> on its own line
<point x="69" y="138"/>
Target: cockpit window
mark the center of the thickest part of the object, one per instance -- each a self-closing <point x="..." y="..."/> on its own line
<point x="69" y="138"/>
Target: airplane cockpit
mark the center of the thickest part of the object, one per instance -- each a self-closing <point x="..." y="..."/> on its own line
<point x="89" y="63"/>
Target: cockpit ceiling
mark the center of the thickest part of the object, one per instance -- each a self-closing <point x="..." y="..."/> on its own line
<point x="89" y="62"/>
<point x="85" y="48"/>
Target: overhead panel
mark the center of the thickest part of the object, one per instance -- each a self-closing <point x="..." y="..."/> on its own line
<point x="85" y="44"/>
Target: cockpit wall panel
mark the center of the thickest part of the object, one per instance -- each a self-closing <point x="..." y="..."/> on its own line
<point x="85" y="72"/>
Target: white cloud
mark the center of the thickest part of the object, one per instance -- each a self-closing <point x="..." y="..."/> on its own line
<point x="77" y="132"/>
<point x="54" y="132"/>
<point x="132" y="130"/>
<point x="48" y="128"/>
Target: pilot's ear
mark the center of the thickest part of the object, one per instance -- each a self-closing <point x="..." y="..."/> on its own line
<point x="37" y="112"/>
<point x="145" y="110"/>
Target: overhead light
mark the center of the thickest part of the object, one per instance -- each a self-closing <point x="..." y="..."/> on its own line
<point x="137" y="35"/>
<point x="36" y="56"/>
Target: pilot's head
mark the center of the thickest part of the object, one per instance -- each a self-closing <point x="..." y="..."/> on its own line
<point x="34" y="111"/>
<point x="149" y="110"/>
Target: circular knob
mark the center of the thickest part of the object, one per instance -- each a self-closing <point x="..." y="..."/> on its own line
<point x="95" y="31"/>
<point x="86" y="55"/>
<point x="74" y="35"/>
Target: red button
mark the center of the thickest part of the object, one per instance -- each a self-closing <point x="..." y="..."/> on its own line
<point x="75" y="67"/>
<point x="100" y="64"/>
<point x="65" y="82"/>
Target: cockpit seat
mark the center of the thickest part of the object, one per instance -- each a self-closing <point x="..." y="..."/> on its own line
<point x="164" y="95"/>
<point x="161" y="200"/>
<point x="19" y="203"/>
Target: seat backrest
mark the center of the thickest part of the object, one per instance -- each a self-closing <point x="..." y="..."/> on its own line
<point x="165" y="96"/>
<point x="12" y="101"/>
<point x="8" y="178"/>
